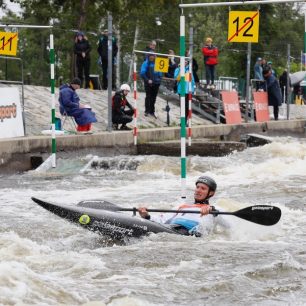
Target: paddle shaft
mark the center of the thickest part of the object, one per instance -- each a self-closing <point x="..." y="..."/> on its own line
<point x="216" y="212"/>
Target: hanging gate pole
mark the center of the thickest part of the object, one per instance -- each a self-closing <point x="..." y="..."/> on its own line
<point x="182" y="103"/>
<point x="135" y="130"/>
<point x="52" y="85"/>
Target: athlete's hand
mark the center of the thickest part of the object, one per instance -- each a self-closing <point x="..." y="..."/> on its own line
<point x="205" y="210"/>
<point x="143" y="212"/>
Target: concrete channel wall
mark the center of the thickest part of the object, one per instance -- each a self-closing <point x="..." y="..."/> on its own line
<point x="16" y="154"/>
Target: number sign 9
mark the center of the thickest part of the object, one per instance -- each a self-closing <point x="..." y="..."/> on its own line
<point x="161" y="64"/>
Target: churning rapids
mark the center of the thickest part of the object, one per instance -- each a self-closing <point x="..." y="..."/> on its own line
<point x="47" y="261"/>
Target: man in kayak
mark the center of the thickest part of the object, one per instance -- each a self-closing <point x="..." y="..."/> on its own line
<point x="192" y="224"/>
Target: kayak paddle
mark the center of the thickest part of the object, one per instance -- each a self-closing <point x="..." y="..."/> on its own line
<point x="260" y="214"/>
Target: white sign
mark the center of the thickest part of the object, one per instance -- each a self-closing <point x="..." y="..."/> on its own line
<point x="11" y="123"/>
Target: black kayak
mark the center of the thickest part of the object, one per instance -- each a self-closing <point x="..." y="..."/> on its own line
<point x="116" y="225"/>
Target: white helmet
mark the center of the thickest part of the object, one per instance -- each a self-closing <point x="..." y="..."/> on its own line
<point x="125" y="87"/>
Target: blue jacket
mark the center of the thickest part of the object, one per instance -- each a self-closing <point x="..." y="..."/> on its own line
<point x="258" y="72"/>
<point x="70" y="104"/>
<point x="147" y="72"/>
<point x="176" y="75"/>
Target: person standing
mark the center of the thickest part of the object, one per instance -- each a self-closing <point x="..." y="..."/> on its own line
<point x="103" y="52"/>
<point x="258" y="76"/>
<point x="283" y="83"/>
<point x="195" y="68"/>
<point x="150" y="48"/>
<point x="82" y="50"/>
<point x="119" y="114"/>
<point x="272" y="70"/>
<point x="70" y="105"/>
<point x="273" y="89"/>
<point x="210" y="53"/>
<point x="152" y="80"/>
<point x="173" y="64"/>
<point x="187" y="82"/>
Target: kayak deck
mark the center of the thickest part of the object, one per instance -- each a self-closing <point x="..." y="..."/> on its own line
<point x="116" y="225"/>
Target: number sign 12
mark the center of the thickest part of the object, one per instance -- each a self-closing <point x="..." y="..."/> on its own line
<point x="243" y="26"/>
<point x="8" y="43"/>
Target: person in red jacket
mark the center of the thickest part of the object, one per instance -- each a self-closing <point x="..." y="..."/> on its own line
<point x="210" y="53"/>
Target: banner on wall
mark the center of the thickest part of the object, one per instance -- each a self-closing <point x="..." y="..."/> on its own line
<point x="11" y="123"/>
<point x="231" y="107"/>
<point x="261" y="106"/>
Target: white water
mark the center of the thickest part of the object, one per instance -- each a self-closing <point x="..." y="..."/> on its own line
<point x="44" y="260"/>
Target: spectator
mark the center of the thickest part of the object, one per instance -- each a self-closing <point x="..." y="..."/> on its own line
<point x="272" y="70"/>
<point x="82" y="50"/>
<point x="187" y="79"/>
<point x="103" y="52"/>
<point x="173" y="64"/>
<point x="152" y="81"/>
<point x="210" y="53"/>
<point x="70" y="105"/>
<point x="150" y="48"/>
<point x="119" y="114"/>
<point x="273" y="89"/>
<point x="195" y="68"/>
<point x="283" y="83"/>
<point x="258" y="76"/>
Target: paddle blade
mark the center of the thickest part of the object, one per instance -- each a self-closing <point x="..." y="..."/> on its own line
<point x="260" y="214"/>
<point x="99" y="204"/>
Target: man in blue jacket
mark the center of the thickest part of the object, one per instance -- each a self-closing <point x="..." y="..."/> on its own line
<point x="70" y="105"/>
<point x="152" y="81"/>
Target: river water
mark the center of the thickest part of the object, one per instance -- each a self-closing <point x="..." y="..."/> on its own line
<point x="46" y="260"/>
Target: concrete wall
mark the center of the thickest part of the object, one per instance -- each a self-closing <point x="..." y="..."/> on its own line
<point x="15" y="153"/>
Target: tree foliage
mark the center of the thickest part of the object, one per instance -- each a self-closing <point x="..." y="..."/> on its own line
<point x="280" y="25"/>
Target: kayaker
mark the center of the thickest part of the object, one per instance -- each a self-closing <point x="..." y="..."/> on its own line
<point x="192" y="224"/>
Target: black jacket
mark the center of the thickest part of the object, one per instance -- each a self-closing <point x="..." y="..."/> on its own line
<point x="119" y="103"/>
<point x="103" y="47"/>
<point x="82" y="46"/>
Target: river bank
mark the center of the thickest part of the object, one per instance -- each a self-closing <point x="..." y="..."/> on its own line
<point x="17" y="154"/>
<point x="155" y="136"/>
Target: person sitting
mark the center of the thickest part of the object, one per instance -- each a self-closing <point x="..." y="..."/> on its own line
<point x="70" y="105"/>
<point x="119" y="114"/>
<point x="193" y="224"/>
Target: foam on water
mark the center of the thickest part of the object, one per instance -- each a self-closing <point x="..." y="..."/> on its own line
<point x="48" y="261"/>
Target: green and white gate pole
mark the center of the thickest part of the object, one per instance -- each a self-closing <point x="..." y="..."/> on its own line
<point x="52" y="84"/>
<point x="182" y="94"/>
<point x="304" y="68"/>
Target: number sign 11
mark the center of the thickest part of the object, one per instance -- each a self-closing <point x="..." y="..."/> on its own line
<point x="8" y="43"/>
<point x="243" y="26"/>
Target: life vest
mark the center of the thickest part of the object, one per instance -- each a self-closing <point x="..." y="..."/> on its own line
<point x="187" y="220"/>
<point x="188" y="206"/>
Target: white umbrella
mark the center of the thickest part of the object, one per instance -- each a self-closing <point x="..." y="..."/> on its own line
<point x="297" y="77"/>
